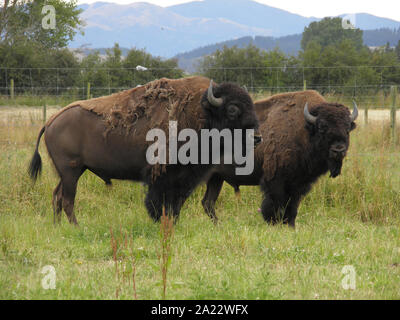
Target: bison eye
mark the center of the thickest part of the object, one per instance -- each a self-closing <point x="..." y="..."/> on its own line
<point x="322" y="127"/>
<point x="233" y="112"/>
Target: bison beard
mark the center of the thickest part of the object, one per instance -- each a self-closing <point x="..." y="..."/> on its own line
<point x="298" y="147"/>
<point x="335" y="167"/>
<point x="107" y="136"/>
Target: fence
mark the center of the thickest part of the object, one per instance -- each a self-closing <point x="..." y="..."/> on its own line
<point x="350" y="81"/>
<point x="75" y="82"/>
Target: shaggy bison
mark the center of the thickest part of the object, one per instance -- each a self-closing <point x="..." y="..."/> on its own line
<point x="304" y="136"/>
<point x="107" y="136"/>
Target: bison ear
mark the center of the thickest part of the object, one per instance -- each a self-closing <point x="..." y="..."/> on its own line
<point x="353" y="126"/>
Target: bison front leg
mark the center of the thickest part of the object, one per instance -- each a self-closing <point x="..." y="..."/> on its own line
<point x="271" y="211"/>
<point x="170" y="191"/>
<point x="294" y="202"/>
<point x="214" y="186"/>
<point x="291" y="211"/>
<point x="275" y="202"/>
<point x="163" y="197"/>
<point x="154" y="202"/>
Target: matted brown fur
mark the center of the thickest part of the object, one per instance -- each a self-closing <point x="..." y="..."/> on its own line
<point x="279" y="147"/>
<point x="157" y="103"/>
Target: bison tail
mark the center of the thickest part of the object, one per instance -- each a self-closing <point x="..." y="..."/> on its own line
<point x="35" y="167"/>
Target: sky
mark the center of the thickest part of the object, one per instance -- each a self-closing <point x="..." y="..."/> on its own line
<point x="307" y="8"/>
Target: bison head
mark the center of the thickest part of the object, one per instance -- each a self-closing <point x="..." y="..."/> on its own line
<point x="230" y="106"/>
<point x="329" y="125"/>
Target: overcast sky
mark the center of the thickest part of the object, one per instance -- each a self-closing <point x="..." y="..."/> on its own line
<point x="316" y="8"/>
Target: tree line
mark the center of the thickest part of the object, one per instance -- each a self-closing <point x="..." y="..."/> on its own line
<point x="332" y="59"/>
<point x="37" y="70"/>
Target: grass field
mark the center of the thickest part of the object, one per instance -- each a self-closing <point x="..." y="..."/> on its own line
<point x="117" y="252"/>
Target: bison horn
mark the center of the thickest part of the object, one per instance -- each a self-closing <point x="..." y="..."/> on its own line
<point x="354" y="114"/>
<point x="216" y="102"/>
<point x="308" y="116"/>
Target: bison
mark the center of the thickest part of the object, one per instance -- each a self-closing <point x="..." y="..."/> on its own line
<point x="304" y="137"/>
<point x="107" y="136"/>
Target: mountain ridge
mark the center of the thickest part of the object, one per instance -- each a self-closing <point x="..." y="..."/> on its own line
<point x="168" y="31"/>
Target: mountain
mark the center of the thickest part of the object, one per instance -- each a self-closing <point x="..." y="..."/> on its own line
<point x="246" y="12"/>
<point x="366" y="21"/>
<point x="159" y="30"/>
<point x="381" y="36"/>
<point x="180" y="28"/>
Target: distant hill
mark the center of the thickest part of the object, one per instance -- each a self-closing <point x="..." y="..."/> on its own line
<point x="288" y="44"/>
<point x="246" y="12"/>
<point x="159" y="30"/>
<point x="168" y="31"/>
<point x="366" y="21"/>
<point x="379" y="37"/>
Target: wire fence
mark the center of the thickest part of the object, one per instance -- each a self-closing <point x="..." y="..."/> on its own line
<point x="76" y="82"/>
<point x="369" y="85"/>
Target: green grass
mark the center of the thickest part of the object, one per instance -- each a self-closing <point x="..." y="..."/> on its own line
<point x="351" y="220"/>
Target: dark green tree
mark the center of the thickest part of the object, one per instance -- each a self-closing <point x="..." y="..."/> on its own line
<point x="155" y="68"/>
<point x="31" y="42"/>
<point x="93" y="72"/>
<point x="397" y="50"/>
<point x="116" y="74"/>
<point x="244" y="66"/>
<point x="330" y="31"/>
<point x="26" y="21"/>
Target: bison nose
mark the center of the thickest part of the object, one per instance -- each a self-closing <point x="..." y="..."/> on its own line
<point x="337" y="151"/>
<point x="257" y="139"/>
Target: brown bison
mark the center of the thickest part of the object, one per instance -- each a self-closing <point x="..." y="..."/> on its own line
<point x="304" y="136"/>
<point x="107" y="136"/>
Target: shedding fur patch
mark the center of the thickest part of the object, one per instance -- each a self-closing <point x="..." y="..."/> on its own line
<point x="285" y="139"/>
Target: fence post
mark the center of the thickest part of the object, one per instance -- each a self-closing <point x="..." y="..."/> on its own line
<point x="12" y="89"/>
<point x="304" y="85"/>
<point x="366" y="114"/>
<point x="393" y="91"/>
<point x="44" y="112"/>
<point x="88" y="91"/>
